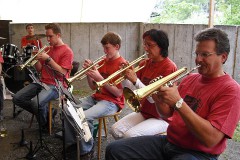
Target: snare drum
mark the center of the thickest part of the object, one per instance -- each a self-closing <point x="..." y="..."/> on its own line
<point x="10" y="53"/>
<point x="16" y="78"/>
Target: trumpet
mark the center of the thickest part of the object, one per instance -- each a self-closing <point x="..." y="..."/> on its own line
<point x="31" y="61"/>
<point x="133" y="97"/>
<point x="81" y="74"/>
<point x="119" y="72"/>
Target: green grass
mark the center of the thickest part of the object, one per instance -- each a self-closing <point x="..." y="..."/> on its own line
<point x="81" y="93"/>
<point x="236" y="136"/>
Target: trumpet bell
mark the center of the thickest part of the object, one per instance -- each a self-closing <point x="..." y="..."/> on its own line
<point x="131" y="99"/>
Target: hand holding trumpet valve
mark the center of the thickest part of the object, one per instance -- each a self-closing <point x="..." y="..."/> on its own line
<point x="92" y="72"/>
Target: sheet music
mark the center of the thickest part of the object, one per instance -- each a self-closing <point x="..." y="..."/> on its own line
<point x="80" y="120"/>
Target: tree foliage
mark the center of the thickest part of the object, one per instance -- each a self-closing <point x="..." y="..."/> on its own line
<point x="230" y="9"/>
<point x="196" y="11"/>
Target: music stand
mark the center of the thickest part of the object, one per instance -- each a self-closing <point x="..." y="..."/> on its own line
<point x="64" y="92"/>
<point x="40" y="142"/>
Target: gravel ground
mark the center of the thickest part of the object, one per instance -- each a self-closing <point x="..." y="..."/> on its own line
<point x="10" y="149"/>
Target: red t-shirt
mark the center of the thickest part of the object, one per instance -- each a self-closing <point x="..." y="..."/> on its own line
<point x="1" y="58"/>
<point x="63" y="56"/>
<point x="25" y="41"/>
<point x="106" y="70"/>
<point x="149" y="72"/>
<point x="216" y="100"/>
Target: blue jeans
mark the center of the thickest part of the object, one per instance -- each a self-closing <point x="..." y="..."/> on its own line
<point x="151" y="148"/>
<point x="93" y="109"/>
<point x="26" y="98"/>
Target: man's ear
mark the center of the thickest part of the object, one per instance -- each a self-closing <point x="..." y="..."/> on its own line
<point x="224" y="57"/>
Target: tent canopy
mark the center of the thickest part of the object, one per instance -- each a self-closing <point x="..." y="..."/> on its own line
<point x="45" y="11"/>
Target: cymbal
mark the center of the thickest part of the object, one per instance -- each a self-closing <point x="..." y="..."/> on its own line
<point x="2" y="38"/>
<point x="36" y="36"/>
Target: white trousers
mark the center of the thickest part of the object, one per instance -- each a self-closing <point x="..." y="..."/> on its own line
<point x="135" y="124"/>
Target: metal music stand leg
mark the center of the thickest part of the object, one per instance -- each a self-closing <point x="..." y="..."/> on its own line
<point x="63" y="129"/>
<point x="41" y="143"/>
<point x="78" y="147"/>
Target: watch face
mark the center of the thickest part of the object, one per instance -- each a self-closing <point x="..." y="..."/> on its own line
<point x="179" y="103"/>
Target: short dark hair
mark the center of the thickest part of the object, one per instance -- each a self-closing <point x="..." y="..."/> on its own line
<point x="219" y="36"/>
<point x="111" y="38"/>
<point x="55" y="27"/>
<point x="29" y="24"/>
<point x="161" y="38"/>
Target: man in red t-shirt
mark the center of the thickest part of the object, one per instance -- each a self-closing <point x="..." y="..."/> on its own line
<point x="205" y="109"/>
<point x="54" y="64"/>
<point x="1" y="88"/>
<point x="30" y="39"/>
<point x="147" y="121"/>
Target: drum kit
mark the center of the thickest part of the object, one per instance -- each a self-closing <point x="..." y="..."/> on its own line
<point x="15" y="78"/>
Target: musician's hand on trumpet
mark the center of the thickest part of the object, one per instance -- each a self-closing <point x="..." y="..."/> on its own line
<point x="42" y="56"/>
<point x="168" y="95"/>
<point x="130" y="75"/>
<point x="92" y="73"/>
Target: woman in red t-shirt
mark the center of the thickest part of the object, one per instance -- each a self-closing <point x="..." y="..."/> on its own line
<point x="147" y="121"/>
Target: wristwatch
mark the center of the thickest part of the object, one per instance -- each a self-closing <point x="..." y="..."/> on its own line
<point x="48" y="60"/>
<point x="178" y="105"/>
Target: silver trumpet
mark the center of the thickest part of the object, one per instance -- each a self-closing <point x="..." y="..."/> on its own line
<point x="31" y="61"/>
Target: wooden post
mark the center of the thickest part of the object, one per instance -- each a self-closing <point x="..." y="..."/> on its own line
<point x="211" y="14"/>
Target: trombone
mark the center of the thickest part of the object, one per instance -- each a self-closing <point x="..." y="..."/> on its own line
<point x="119" y="72"/>
<point x="31" y="61"/>
<point x="133" y="97"/>
<point x="81" y="74"/>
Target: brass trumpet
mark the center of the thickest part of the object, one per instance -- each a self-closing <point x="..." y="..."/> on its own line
<point x="31" y="61"/>
<point x="119" y="72"/>
<point x="81" y="74"/>
<point x="133" y="97"/>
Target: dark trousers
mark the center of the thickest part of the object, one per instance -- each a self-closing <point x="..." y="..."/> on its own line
<point x="1" y="97"/>
<point x="151" y="148"/>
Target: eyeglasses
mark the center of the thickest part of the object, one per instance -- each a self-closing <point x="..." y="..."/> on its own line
<point x="203" y="54"/>
<point x="149" y="45"/>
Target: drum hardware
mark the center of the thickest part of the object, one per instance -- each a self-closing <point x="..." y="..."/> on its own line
<point x="15" y="79"/>
<point x="2" y="38"/>
<point x="27" y="52"/>
<point x="133" y="97"/>
<point x="36" y="37"/>
<point x="9" y="53"/>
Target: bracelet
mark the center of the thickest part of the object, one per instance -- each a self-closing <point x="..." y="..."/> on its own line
<point x="48" y="60"/>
